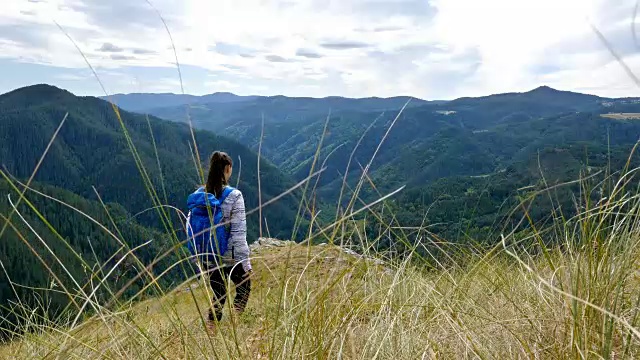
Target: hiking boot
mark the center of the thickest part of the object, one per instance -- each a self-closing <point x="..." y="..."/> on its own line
<point x="212" y="327"/>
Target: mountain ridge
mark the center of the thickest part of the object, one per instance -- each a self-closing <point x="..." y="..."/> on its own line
<point x="227" y="93"/>
<point x="543" y="89"/>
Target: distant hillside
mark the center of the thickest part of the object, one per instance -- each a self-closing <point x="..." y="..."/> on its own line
<point x="540" y="95"/>
<point x="471" y="136"/>
<point x="225" y="108"/>
<point x="293" y="125"/>
<point x="510" y="107"/>
<point x="434" y="147"/>
<point x="143" y="102"/>
<point x="474" y="152"/>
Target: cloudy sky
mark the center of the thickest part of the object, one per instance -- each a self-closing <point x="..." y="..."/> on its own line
<point x="432" y="49"/>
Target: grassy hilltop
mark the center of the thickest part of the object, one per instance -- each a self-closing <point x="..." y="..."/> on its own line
<point x="517" y="300"/>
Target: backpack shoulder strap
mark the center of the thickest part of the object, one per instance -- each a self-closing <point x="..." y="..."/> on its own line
<point x="227" y="190"/>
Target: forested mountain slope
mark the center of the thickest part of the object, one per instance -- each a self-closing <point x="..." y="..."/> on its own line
<point x="293" y="126"/>
<point x="92" y="150"/>
<point x="56" y="242"/>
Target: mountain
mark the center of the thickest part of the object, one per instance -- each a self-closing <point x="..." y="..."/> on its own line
<point x="230" y="110"/>
<point x="453" y="149"/>
<point x="142" y="102"/>
<point x="540" y="95"/>
<point x="90" y="156"/>
<point x="224" y="105"/>
<point x="514" y="107"/>
<point x="221" y="109"/>
<point x="429" y="141"/>
<point x="138" y="102"/>
<point x="92" y="150"/>
<point x="223" y="97"/>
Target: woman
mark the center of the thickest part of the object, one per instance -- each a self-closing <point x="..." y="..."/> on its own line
<point x="235" y="263"/>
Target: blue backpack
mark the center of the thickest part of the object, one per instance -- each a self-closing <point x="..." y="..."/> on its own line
<point x="204" y="207"/>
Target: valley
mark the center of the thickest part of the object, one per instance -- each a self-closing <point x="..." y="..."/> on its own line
<point x="513" y="139"/>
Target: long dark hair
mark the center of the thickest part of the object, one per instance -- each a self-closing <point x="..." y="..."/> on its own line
<point x="215" y="179"/>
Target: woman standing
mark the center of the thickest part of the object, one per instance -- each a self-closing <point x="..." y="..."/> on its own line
<point x="234" y="262"/>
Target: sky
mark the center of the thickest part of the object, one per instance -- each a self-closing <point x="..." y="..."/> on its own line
<point x="431" y="49"/>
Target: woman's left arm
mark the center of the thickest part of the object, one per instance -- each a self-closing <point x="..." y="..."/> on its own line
<point x="238" y="233"/>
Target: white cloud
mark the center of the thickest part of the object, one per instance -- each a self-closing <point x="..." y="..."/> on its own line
<point x="72" y="77"/>
<point x="222" y="85"/>
<point x="426" y="48"/>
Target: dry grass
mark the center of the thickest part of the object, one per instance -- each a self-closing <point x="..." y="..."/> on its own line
<point x="318" y="302"/>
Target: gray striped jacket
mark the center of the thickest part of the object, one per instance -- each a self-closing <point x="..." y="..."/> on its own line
<point x="233" y="212"/>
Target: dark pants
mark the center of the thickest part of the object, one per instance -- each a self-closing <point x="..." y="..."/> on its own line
<point x="218" y="278"/>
